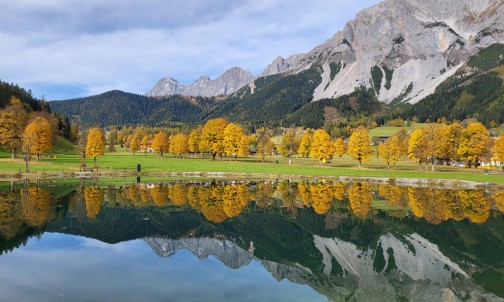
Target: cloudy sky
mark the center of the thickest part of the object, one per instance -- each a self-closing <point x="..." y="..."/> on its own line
<point x="72" y="48"/>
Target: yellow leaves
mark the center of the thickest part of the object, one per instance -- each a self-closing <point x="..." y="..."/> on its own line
<point x="194" y="140"/>
<point x="95" y="143"/>
<point x="390" y="150"/>
<point x="304" y="146"/>
<point x="161" y="143"/>
<point x="498" y="149"/>
<point x="36" y="206"/>
<point x="339" y="147"/>
<point x="360" y="197"/>
<point x="321" y="195"/>
<point x="94" y="198"/>
<point x="212" y="136"/>
<point x="264" y="144"/>
<point x="359" y="146"/>
<point x="37" y="136"/>
<point x="12" y="123"/>
<point x="179" y="144"/>
<point x="473" y="142"/>
<point x="321" y="145"/>
<point x="418" y="149"/>
<point x="233" y="135"/>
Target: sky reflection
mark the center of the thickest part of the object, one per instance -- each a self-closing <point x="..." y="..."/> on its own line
<point x="60" y="267"/>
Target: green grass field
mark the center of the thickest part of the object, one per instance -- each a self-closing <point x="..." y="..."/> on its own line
<point x="64" y="159"/>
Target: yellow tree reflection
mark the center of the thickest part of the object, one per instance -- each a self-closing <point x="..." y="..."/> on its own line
<point x="211" y="204"/>
<point x="178" y="194"/>
<point x="305" y="193"/>
<point x="393" y="195"/>
<point x="11" y="218"/>
<point x="499" y="200"/>
<point x="94" y="200"/>
<point x="264" y="194"/>
<point x="339" y="191"/>
<point x="322" y="195"/>
<point x="360" y="197"/>
<point x="475" y="205"/>
<point x="36" y="203"/>
<point x="159" y="194"/>
<point x="235" y="198"/>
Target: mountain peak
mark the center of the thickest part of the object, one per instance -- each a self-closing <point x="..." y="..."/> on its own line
<point x="229" y="82"/>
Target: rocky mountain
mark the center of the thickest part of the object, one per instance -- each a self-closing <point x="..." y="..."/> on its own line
<point x="408" y="267"/>
<point x="281" y="65"/>
<point x="228" y="83"/>
<point x="404" y="48"/>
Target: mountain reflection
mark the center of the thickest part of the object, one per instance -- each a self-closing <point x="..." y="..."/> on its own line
<point x="348" y="241"/>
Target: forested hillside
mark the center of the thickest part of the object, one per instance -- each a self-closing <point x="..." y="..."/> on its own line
<point x="476" y="91"/>
<point x="121" y="108"/>
<point x="7" y="91"/>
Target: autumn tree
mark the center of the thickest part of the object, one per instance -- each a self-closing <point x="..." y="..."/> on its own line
<point x="95" y="145"/>
<point x="74" y="133"/>
<point x="179" y="145"/>
<point x="37" y="137"/>
<point x="321" y="146"/>
<point x="321" y="195"/>
<point x="304" y="146"/>
<point x="288" y="145"/>
<point x="360" y="197"/>
<point x="112" y="138"/>
<point x="450" y="141"/>
<point x="403" y="137"/>
<point x="94" y="198"/>
<point x="390" y="150"/>
<point x="12" y="123"/>
<point x="161" y="143"/>
<point x="340" y="147"/>
<point x="134" y="143"/>
<point x="194" y="140"/>
<point x="212" y="137"/>
<point x="36" y="206"/>
<point x="232" y="139"/>
<point x="264" y="144"/>
<point x="435" y="136"/>
<point x="359" y="146"/>
<point x="474" y="141"/>
<point x="498" y="149"/>
<point x="418" y="149"/>
<point x="244" y="146"/>
<point x="145" y="144"/>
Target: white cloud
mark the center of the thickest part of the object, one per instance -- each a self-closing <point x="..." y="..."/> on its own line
<point x="96" y="46"/>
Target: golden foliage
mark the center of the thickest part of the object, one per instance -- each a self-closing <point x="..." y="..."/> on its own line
<point x="321" y="145"/>
<point x="498" y="149"/>
<point x="95" y="143"/>
<point x="236" y="197"/>
<point x="499" y="200"/>
<point x="161" y="143"/>
<point x="94" y="198"/>
<point x="178" y="194"/>
<point x="194" y="140"/>
<point x="339" y="191"/>
<point x="418" y="147"/>
<point x="475" y="205"/>
<point x="359" y="146"/>
<point x="340" y="147"/>
<point x="473" y="142"/>
<point x="159" y="195"/>
<point x="37" y="136"/>
<point x="305" y="145"/>
<point x="233" y="135"/>
<point x="390" y="150"/>
<point x="264" y="144"/>
<point x="36" y="203"/>
<point x="321" y="195"/>
<point x="212" y="136"/>
<point x="360" y="197"/>
<point x="12" y="123"/>
<point x="179" y="144"/>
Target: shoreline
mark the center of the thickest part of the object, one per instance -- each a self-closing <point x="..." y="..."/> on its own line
<point x="417" y="182"/>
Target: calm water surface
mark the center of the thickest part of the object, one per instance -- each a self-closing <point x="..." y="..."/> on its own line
<point x="249" y="241"/>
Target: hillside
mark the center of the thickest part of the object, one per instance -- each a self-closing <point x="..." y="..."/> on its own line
<point x="122" y="108"/>
<point x="9" y="90"/>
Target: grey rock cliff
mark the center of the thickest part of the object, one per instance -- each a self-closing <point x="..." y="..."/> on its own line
<point x="228" y="83"/>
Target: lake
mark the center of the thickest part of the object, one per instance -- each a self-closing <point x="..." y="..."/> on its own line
<point x="221" y="240"/>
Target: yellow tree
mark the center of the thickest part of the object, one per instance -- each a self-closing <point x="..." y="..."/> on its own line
<point x="37" y="137"/>
<point x="418" y="147"/>
<point x="321" y="195"/>
<point x="498" y="149"/>
<point x="232" y="139"/>
<point x="244" y="147"/>
<point x="304" y="146"/>
<point x="339" y="191"/>
<point x="194" y="140"/>
<point x="95" y="144"/>
<point x="340" y="147"/>
<point x="473" y="142"/>
<point x="145" y="144"/>
<point x="403" y="137"/>
<point x="390" y="150"/>
<point x="360" y="197"/>
<point x="264" y="144"/>
<point x="359" y="146"/>
<point x="161" y="143"/>
<point x="212" y="137"/>
<point x="435" y="136"/>
<point x="321" y="146"/>
<point x="288" y="145"/>
<point x="450" y="142"/>
<point x="94" y="198"/>
<point x="179" y="145"/>
<point x="134" y="144"/>
<point x="36" y="206"/>
<point x="12" y="124"/>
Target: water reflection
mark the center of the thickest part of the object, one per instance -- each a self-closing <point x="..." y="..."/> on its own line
<point x="347" y="241"/>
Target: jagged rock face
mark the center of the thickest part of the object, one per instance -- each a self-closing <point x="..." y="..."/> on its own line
<point x="281" y="65"/>
<point x="228" y="83"/>
<point x="226" y="251"/>
<point x="413" y="45"/>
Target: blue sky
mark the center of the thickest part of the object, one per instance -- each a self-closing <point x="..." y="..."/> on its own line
<point x="72" y="48"/>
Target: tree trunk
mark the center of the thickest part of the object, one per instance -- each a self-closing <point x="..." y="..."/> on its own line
<point x="26" y="163"/>
<point x="214" y="155"/>
<point x="38" y="157"/>
<point x="360" y="163"/>
<point x="290" y="159"/>
<point x="420" y="164"/>
<point x="13" y="153"/>
<point x="94" y="160"/>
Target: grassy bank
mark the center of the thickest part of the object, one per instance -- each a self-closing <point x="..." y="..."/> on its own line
<point x="65" y="161"/>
